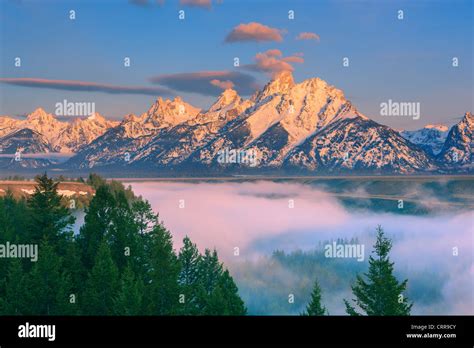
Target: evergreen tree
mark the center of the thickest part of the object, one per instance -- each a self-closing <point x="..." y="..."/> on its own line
<point x="144" y="217"/>
<point x="381" y="293"/>
<point x="189" y="260"/>
<point x="217" y="292"/>
<point x="162" y="293"/>
<point x="48" y="219"/>
<point x="102" y="285"/>
<point x="93" y="268"/>
<point x="13" y="301"/>
<point x="210" y="270"/>
<point x="315" y="308"/>
<point x="47" y="286"/>
<point x="232" y="304"/>
<point x="97" y="223"/>
<point x="123" y="232"/>
<point x="129" y="300"/>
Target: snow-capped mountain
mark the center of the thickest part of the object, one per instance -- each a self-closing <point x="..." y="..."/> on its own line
<point x="15" y="145"/>
<point x="459" y="145"/>
<point x="359" y="144"/>
<point x="431" y="138"/>
<point x="26" y="141"/>
<point x="81" y="132"/>
<point x="307" y="127"/>
<point x="65" y="137"/>
<point x="157" y="138"/>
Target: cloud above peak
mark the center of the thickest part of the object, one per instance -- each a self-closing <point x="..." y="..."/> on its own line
<point x="254" y="31"/>
<point x="227" y="84"/>
<point x="272" y="62"/>
<point x="209" y="83"/>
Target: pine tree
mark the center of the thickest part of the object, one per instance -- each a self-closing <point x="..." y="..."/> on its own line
<point x="47" y="286"/>
<point x="123" y="232"/>
<point x="13" y="301"/>
<point x="162" y="291"/>
<point x="129" y="300"/>
<point x="144" y="217"/>
<point x="233" y="304"/>
<point x="97" y="223"/>
<point x="189" y="259"/>
<point x="102" y="285"/>
<point x="315" y="308"/>
<point x="217" y="292"/>
<point x="381" y="293"/>
<point x="48" y="219"/>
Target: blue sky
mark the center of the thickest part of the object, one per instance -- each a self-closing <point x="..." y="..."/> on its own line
<point x="402" y="60"/>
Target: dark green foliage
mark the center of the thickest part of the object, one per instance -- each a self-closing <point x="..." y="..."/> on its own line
<point x="48" y="219"/>
<point x="381" y="293"/>
<point x="13" y="284"/>
<point x="217" y="291"/>
<point x="48" y="286"/>
<point x="129" y="299"/>
<point x="122" y="262"/>
<point x="189" y="259"/>
<point x="315" y="308"/>
<point x="97" y="223"/>
<point x="102" y="285"/>
<point x="162" y="290"/>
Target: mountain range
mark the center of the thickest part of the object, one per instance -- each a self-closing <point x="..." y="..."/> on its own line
<point x="291" y="128"/>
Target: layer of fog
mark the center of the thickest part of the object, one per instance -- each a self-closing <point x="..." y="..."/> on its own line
<point x="257" y="219"/>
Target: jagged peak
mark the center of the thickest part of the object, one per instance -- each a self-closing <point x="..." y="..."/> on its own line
<point x="40" y="114"/>
<point x="226" y="98"/>
<point x="166" y="112"/>
<point x="281" y="83"/>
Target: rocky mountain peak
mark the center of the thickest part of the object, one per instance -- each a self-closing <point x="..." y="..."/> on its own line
<point x="168" y="113"/>
<point x="227" y="98"/>
<point x="40" y="116"/>
<point x="281" y="83"/>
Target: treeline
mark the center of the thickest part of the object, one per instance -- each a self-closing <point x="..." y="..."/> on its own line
<point x="121" y="262"/>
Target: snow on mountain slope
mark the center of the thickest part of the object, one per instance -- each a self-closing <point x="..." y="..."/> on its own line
<point x="284" y="115"/>
<point x="23" y="142"/>
<point x="45" y="124"/>
<point x="176" y="144"/>
<point x="8" y="125"/>
<point x="305" y="127"/>
<point x="459" y="145"/>
<point x="81" y="132"/>
<point x="124" y="144"/>
<point x="431" y="138"/>
<point x="61" y="136"/>
<point x="169" y="113"/>
<point x="358" y="144"/>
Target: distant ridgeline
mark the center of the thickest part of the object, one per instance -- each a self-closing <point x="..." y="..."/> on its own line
<point x="286" y="128"/>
